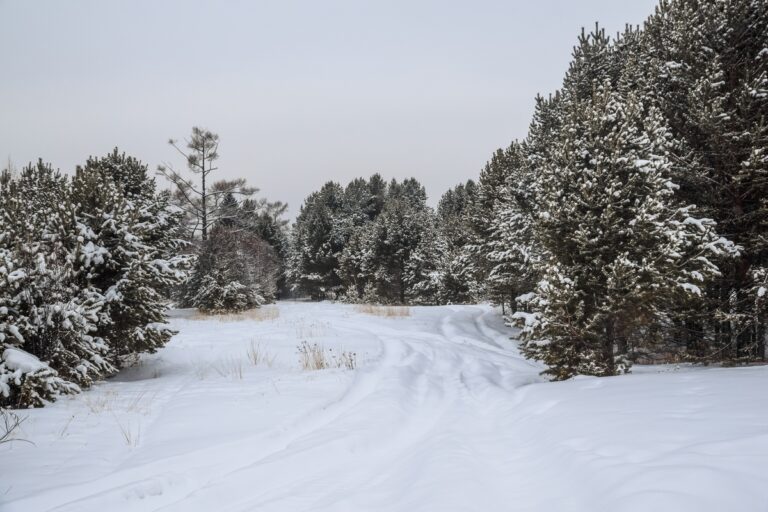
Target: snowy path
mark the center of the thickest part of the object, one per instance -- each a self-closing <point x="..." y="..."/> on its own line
<point x="438" y="416"/>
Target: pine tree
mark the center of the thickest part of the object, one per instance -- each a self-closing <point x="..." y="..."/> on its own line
<point x="362" y="203"/>
<point x="395" y="236"/>
<point x="710" y="65"/>
<point x="317" y="243"/>
<point x="510" y="248"/>
<point x="480" y="218"/>
<point x="204" y="203"/>
<point x="133" y="253"/>
<point x="452" y="238"/>
<point x="47" y="321"/>
<point x="618" y="248"/>
<point x="236" y="270"/>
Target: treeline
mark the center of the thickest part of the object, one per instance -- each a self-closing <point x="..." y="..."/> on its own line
<point x="378" y="242"/>
<point x="84" y="262"/>
<point x="632" y="222"/>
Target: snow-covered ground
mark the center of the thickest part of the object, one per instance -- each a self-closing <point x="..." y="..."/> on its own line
<point x="442" y="414"/>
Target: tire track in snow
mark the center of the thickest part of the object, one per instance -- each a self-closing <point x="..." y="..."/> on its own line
<point x="399" y="418"/>
<point x="427" y="374"/>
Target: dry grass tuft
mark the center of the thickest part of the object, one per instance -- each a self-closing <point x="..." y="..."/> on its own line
<point x="258" y="314"/>
<point x="315" y="357"/>
<point x="230" y="367"/>
<point x="258" y="356"/>
<point x="100" y="402"/>
<point x="140" y="403"/>
<point x="314" y="329"/>
<point x="130" y="435"/>
<point x="384" y="311"/>
<point x="10" y="422"/>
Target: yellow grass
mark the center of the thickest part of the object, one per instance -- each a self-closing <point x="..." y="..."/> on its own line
<point x="316" y="357"/>
<point x="384" y="311"/>
<point x="257" y="355"/>
<point x="259" y="314"/>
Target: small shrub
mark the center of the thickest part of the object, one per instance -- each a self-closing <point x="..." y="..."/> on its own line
<point x="139" y="404"/>
<point x="216" y="295"/>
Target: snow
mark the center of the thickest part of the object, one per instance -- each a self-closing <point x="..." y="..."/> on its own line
<point x="639" y="164"/>
<point x="16" y="359"/>
<point x="526" y="297"/>
<point x="442" y="413"/>
<point x="529" y="319"/>
<point x="691" y="288"/>
<point x="16" y="275"/>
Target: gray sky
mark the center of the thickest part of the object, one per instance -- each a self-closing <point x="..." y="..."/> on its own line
<point x="299" y="91"/>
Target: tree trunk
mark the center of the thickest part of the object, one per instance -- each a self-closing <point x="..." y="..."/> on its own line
<point x="608" y="342"/>
<point x="205" y="209"/>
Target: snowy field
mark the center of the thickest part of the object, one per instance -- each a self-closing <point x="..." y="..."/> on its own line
<point x="441" y="414"/>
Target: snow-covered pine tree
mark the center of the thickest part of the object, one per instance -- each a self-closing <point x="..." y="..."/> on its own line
<point x="236" y="270"/>
<point x="317" y="243"/>
<point x="425" y="271"/>
<point x="710" y="63"/>
<point x="132" y="254"/>
<point x="266" y="220"/>
<point x="357" y="264"/>
<point x="481" y="213"/>
<point x="47" y="321"/>
<point x="395" y="235"/>
<point x="618" y="247"/>
<point x="451" y="239"/>
<point x="511" y="253"/>
<point x="362" y="203"/>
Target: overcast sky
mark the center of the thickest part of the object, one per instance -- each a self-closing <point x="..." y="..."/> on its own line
<point x="300" y="92"/>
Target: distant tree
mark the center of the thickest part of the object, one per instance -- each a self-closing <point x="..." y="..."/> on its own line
<point x="236" y="270"/>
<point x="481" y="219"/>
<point x="453" y="235"/>
<point x="204" y="202"/>
<point x="403" y="226"/>
<point x="317" y="242"/>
